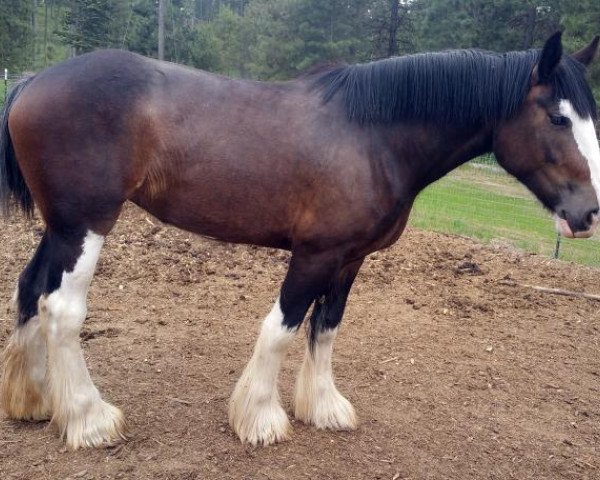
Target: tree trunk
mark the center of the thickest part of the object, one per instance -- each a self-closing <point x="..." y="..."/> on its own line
<point x="34" y="27"/>
<point x="46" y="33"/>
<point x="530" y="21"/>
<point x="394" y="24"/>
<point x="161" y="29"/>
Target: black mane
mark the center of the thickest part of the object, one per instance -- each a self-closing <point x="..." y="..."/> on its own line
<point x="464" y="87"/>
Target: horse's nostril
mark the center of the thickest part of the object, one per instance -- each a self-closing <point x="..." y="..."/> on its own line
<point x="590" y="216"/>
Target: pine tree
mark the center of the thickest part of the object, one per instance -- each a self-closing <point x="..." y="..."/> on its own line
<point x="92" y="24"/>
<point x="17" y="35"/>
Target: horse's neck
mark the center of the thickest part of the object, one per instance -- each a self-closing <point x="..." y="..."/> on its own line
<point x="432" y="152"/>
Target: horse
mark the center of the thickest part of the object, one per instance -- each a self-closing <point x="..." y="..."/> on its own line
<point x="326" y="165"/>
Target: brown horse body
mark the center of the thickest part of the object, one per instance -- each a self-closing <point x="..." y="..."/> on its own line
<point x="184" y="153"/>
<point x="270" y="164"/>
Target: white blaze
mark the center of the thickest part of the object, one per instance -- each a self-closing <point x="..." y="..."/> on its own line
<point x="587" y="142"/>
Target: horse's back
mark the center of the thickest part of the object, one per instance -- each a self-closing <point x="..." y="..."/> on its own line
<point x="239" y="160"/>
<point x="101" y="83"/>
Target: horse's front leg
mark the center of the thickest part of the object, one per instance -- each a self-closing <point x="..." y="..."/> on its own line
<point x="255" y="412"/>
<point x="318" y="401"/>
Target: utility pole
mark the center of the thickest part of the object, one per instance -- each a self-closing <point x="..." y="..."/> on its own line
<point x="46" y="33"/>
<point x="161" y="29"/>
<point x="34" y="27"/>
<point x="394" y="25"/>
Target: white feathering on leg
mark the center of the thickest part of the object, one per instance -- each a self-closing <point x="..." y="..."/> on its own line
<point x="23" y="389"/>
<point x="255" y="413"/>
<point x="14" y="300"/>
<point x="82" y="417"/>
<point x="318" y="402"/>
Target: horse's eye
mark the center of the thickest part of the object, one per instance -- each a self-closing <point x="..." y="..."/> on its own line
<point x="560" y="120"/>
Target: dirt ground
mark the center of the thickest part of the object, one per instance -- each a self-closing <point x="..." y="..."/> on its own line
<point x="455" y="372"/>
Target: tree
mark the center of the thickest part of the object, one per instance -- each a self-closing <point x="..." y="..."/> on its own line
<point x="142" y="31"/>
<point x="392" y="27"/>
<point x="92" y="24"/>
<point x="161" y="29"/>
<point x="582" y="24"/>
<point x="17" y="35"/>
<point x="265" y="25"/>
<point x="279" y="39"/>
<point x="231" y="32"/>
<point x="290" y="36"/>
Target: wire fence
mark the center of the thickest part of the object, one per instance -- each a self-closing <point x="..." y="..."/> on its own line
<point x="481" y="201"/>
<point x="8" y="78"/>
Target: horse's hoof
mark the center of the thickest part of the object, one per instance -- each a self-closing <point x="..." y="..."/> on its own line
<point x="265" y="425"/>
<point x="256" y="419"/>
<point x="99" y="424"/>
<point x="325" y="408"/>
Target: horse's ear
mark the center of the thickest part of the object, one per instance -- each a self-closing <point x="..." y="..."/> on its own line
<point x="549" y="60"/>
<point x="586" y="54"/>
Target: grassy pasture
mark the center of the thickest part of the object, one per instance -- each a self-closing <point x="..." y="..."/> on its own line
<point x="479" y="200"/>
<point x="2" y="92"/>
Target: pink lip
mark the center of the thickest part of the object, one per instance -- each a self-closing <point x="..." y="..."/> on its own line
<point x="563" y="228"/>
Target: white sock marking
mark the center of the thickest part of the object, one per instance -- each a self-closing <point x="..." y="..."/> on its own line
<point x="255" y="413"/>
<point x="81" y="415"/>
<point x="318" y="401"/>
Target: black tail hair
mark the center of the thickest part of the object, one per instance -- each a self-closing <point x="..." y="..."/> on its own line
<point x="13" y="189"/>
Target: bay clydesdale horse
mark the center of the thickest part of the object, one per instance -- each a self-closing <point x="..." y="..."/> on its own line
<point x="327" y="166"/>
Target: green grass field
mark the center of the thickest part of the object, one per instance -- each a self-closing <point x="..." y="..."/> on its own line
<point x="2" y="93"/>
<point x="479" y="201"/>
<point x="3" y="90"/>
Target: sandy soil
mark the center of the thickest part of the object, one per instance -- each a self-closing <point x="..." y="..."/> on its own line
<point x="455" y="372"/>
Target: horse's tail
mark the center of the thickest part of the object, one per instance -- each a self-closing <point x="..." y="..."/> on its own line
<point x="13" y="189"/>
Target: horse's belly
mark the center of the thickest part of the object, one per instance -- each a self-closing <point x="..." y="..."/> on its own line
<point x="225" y="219"/>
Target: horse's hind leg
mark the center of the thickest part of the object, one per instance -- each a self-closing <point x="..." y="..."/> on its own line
<point x="23" y="387"/>
<point x="318" y="402"/>
<point x="52" y="292"/>
<point x="255" y="412"/>
<point x="82" y="417"/>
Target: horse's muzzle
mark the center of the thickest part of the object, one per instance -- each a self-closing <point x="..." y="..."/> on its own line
<point x="577" y="226"/>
